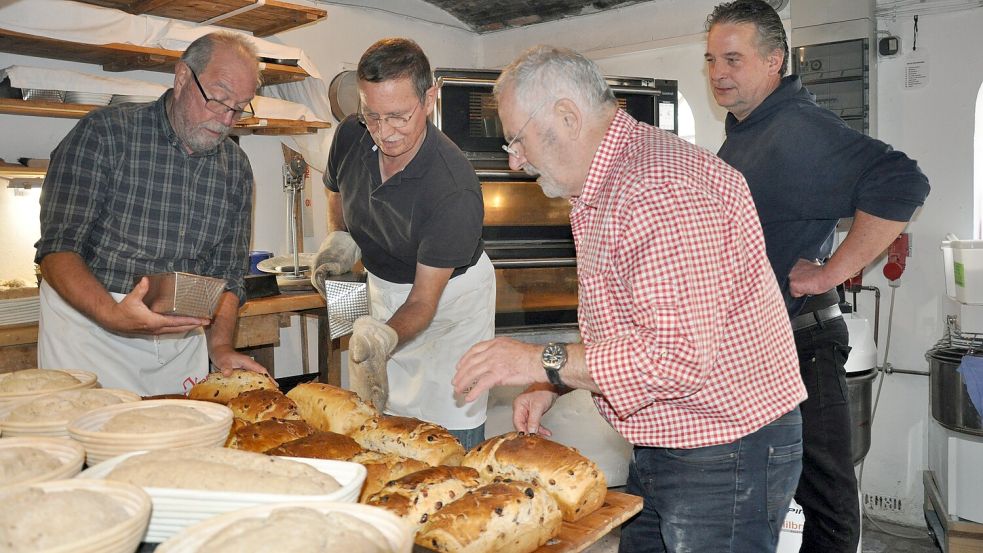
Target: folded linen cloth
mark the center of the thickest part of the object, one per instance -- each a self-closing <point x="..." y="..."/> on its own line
<point x="971" y="370"/>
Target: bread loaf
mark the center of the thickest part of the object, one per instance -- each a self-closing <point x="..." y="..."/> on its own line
<point x="261" y="405"/>
<point x="265" y="435"/>
<point x="417" y="496"/>
<point x="18" y="464"/>
<point x="289" y="530"/>
<point x="34" y="520"/>
<point x="575" y="481"/>
<point x="382" y="468"/>
<point x="221" y="389"/>
<point x="222" y="469"/>
<point x="161" y="418"/>
<point x="319" y="445"/>
<point x="508" y="516"/>
<point x="411" y="438"/>
<point x="330" y="408"/>
<point x="33" y="380"/>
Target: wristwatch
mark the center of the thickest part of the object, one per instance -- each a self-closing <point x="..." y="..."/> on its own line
<point x="554" y="358"/>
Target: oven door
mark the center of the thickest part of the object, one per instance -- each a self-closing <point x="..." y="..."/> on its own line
<point x="467" y="112"/>
<point x="528" y="238"/>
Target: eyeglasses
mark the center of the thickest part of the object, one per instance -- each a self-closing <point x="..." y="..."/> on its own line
<point x="219" y="108"/>
<point x="509" y="147"/>
<point x="394" y="121"/>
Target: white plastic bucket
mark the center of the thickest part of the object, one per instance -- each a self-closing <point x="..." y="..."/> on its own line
<point x="963" y="262"/>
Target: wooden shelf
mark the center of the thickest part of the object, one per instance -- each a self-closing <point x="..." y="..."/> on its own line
<point x="118" y="57"/>
<point x="253" y="125"/>
<point x="267" y="19"/>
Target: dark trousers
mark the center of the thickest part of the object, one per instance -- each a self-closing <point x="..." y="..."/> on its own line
<point x="728" y="498"/>
<point x="827" y="489"/>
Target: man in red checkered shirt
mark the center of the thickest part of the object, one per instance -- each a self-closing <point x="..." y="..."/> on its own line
<point x="686" y="343"/>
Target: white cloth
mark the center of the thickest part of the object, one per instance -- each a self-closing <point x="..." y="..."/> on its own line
<point x="146" y="365"/>
<point x="88" y="24"/>
<point x="22" y="76"/>
<point x="420" y="371"/>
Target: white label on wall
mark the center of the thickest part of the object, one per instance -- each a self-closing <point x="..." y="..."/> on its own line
<point x="915" y="71"/>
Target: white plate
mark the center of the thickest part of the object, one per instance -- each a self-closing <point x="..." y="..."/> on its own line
<point x="70" y="453"/>
<point x="283" y="264"/>
<point x="175" y="509"/>
<point x="397" y="532"/>
<point x="122" y="538"/>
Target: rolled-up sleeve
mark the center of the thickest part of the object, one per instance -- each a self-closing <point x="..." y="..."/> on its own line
<point x="74" y="190"/>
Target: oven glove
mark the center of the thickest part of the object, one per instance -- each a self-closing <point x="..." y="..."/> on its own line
<point x="336" y="256"/>
<point x="369" y="348"/>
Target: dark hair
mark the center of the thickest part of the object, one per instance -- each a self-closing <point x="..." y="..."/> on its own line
<point x="771" y="32"/>
<point x="199" y="53"/>
<point x="396" y="58"/>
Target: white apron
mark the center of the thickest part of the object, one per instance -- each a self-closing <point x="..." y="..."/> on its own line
<point x="420" y="370"/>
<point x="147" y="365"/>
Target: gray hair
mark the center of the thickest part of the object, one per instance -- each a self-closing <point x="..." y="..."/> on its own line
<point x="199" y="52"/>
<point x="542" y="71"/>
<point x="771" y="32"/>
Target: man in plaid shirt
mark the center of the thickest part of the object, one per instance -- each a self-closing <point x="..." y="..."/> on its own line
<point x="686" y="343"/>
<point x="137" y="189"/>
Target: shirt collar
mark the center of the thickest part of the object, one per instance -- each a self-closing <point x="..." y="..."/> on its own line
<point x="417" y="167"/>
<point x="789" y="87"/>
<point x="607" y="155"/>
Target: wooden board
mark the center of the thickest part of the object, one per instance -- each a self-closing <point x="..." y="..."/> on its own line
<point x="122" y="57"/>
<point x="267" y="19"/>
<point x="578" y="536"/>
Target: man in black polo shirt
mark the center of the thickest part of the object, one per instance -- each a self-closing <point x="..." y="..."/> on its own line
<point x="403" y="197"/>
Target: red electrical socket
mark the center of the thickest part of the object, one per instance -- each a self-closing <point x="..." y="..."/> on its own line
<point x="897" y="252"/>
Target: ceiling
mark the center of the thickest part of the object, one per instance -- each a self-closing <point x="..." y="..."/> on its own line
<point x="484" y="16"/>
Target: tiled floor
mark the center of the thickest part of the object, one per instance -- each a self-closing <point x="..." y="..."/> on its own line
<point x="875" y="540"/>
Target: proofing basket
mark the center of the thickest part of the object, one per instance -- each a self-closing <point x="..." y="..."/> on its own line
<point x="347" y="300"/>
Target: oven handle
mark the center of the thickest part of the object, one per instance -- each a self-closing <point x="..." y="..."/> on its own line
<point x="534" y="263"/>
<point x="465" y="81"/>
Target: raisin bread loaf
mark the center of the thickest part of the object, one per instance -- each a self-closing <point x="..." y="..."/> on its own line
<point x="517" y="517"/>
<point x="411" y="438"/>
<point x="574" y="481"/>
<point x="417" y="496"/>
<point x="382" y="468"/>
<point x="262" y="405"/>
<point x="265" y="435"/>
<point x="330" y="408"/>
<point x="221" y="389"/>
<point x="319" y="445"/>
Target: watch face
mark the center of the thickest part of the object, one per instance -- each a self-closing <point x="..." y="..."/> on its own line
<point x="554" y="356"/>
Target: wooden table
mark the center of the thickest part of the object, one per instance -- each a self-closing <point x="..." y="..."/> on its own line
<point x="258" y="331"/>
<point x="261" y="319"/>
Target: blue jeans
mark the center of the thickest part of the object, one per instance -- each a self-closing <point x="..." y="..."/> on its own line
<point x="827" y="489"/>
<point x="729" y="498"/>
<point x="469" y="437"/>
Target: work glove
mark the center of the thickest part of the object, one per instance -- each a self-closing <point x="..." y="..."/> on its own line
<point x="369" y="348"/>
<point x="336" y="256"/>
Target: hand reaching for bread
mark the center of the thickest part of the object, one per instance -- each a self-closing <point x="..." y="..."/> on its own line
<point x="371" y="344"/>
